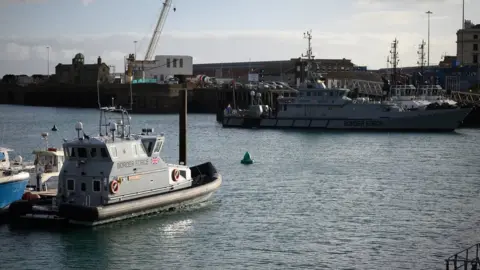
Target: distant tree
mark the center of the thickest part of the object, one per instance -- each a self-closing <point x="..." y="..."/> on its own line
<point x="9" y="78"/>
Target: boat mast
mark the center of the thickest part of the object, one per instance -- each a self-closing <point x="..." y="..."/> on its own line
<point x="421" y="59"/>
<point x="308" y="36"/>
<point x="394" y="61"/>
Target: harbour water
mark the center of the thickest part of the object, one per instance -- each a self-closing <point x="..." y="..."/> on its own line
<point x="312" y="200"/>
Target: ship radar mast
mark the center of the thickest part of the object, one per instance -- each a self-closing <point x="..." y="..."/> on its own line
<point x="114" y="119"/>
<point x="308" y="35"/>
<point x="309" y="68"/>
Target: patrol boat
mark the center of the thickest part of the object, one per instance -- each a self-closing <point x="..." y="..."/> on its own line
<point x="119" y="175"/>
<point x="316" y="106"/>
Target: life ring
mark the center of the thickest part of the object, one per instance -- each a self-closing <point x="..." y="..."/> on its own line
<point x="114" y="186"/>
<point x="175" y="175"/>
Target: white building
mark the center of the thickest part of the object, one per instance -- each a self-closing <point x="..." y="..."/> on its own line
<point x="163" y="68"/>
<point x="468" y="44"/>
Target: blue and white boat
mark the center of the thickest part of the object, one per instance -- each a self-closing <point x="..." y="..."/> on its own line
<point x="13" y="178"/>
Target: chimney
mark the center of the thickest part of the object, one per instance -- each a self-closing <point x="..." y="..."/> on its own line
<point x="99" y="60"/>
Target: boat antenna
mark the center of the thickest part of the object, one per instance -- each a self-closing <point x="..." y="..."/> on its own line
<point x="308" y="35"/>
<point x="98" y="93"/>
<point x="130" y="97"/>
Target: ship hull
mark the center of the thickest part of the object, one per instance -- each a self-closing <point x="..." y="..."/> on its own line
<point x="207" y="182"/>
<point x="12" y="189"/>
<point x="438" y="121"/>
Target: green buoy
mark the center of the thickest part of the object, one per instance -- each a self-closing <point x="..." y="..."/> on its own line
<point x="246" y="159"/>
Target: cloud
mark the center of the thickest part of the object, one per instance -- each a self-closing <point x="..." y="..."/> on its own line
<point x="11" y="2"/>
<point x="87" y="2"/>
<point x="28" y="54"/>
<point x="364" y="36"/>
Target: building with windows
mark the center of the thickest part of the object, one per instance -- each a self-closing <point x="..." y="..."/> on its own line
<point x="282" y="70"/>
<point x="160" y="70"/>
<point x="80" y="73"/>
<point x="468" y="44"/>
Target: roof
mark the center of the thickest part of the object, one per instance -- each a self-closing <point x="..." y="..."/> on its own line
<point x="59" y="152"/>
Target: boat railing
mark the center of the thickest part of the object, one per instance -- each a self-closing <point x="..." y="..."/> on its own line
<point x="466" y="259"/>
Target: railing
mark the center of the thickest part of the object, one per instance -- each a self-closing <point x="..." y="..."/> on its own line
<point x="465" y="96"/>
<point x="466" y="259"/>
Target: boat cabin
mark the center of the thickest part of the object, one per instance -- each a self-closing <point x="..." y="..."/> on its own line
<point x="92" y="164"/>
<point x="403" y="92"/>
<point x="431" y="90"/>
<point x="4" y="159"/>
<point x="48" y="161"/>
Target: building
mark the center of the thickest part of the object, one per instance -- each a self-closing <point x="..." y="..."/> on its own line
<point x="80" y="73"/>
<point x="273" y="70"/>
<point x="24" y="80"/>
<point x="448" y="62"/>
<point x="161" y="69"/>
<point x="468" y="44"/>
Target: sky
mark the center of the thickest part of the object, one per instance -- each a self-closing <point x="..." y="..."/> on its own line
<point x="215" y="31"/>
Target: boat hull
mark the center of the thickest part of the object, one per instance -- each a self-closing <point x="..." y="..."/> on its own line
<point x="93" y="216"/>
<point x="12" y="188"/>
<point x="205" y="178"/>
<point x="447" y="120"/>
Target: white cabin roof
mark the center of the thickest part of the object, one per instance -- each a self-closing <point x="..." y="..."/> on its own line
<point x="58" y="152"/>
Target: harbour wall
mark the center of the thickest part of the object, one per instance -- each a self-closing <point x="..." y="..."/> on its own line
<point x="147" y="98"/>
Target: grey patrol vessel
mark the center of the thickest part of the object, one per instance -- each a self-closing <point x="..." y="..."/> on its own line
<point x="120" y="175"/>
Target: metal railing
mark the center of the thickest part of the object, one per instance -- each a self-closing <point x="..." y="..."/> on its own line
<point x="466" y="259"/>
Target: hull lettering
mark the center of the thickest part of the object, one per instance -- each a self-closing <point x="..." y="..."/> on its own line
<point x="362" y="123"/>
<point x="131" y="163"/>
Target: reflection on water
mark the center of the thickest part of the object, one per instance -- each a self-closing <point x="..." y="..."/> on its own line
<point x="177" y="228"/>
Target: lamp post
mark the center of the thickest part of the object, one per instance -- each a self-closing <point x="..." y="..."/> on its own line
<point x="428" y="48"/>
<point x="135" y="49"/>
<point x="48" y="61"/>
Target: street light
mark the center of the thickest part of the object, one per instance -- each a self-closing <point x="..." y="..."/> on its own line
<point x="48" y="60"/>
<point x="135" y="49"/>
<point x="428" y="48"/>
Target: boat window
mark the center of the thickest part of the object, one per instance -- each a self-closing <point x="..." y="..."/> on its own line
<point x="284" y="107"/>
<point x="308" y="94"/>
<point x="70" y="184"/>
<point x="331" y="93"/>
<point x="93" y="152"/>
<point x="148" y="145"/>
<point x="82" y="152"/>
<point x="96" y="185"/>
<point x="83" y="187"/>
<point x="73" y="152"/>
<point x="158" y="147"/>
<point x="104" y="152"/>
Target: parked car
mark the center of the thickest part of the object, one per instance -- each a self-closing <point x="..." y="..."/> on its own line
<point x="284" y="84"/>
<point x="263" y="85"/>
